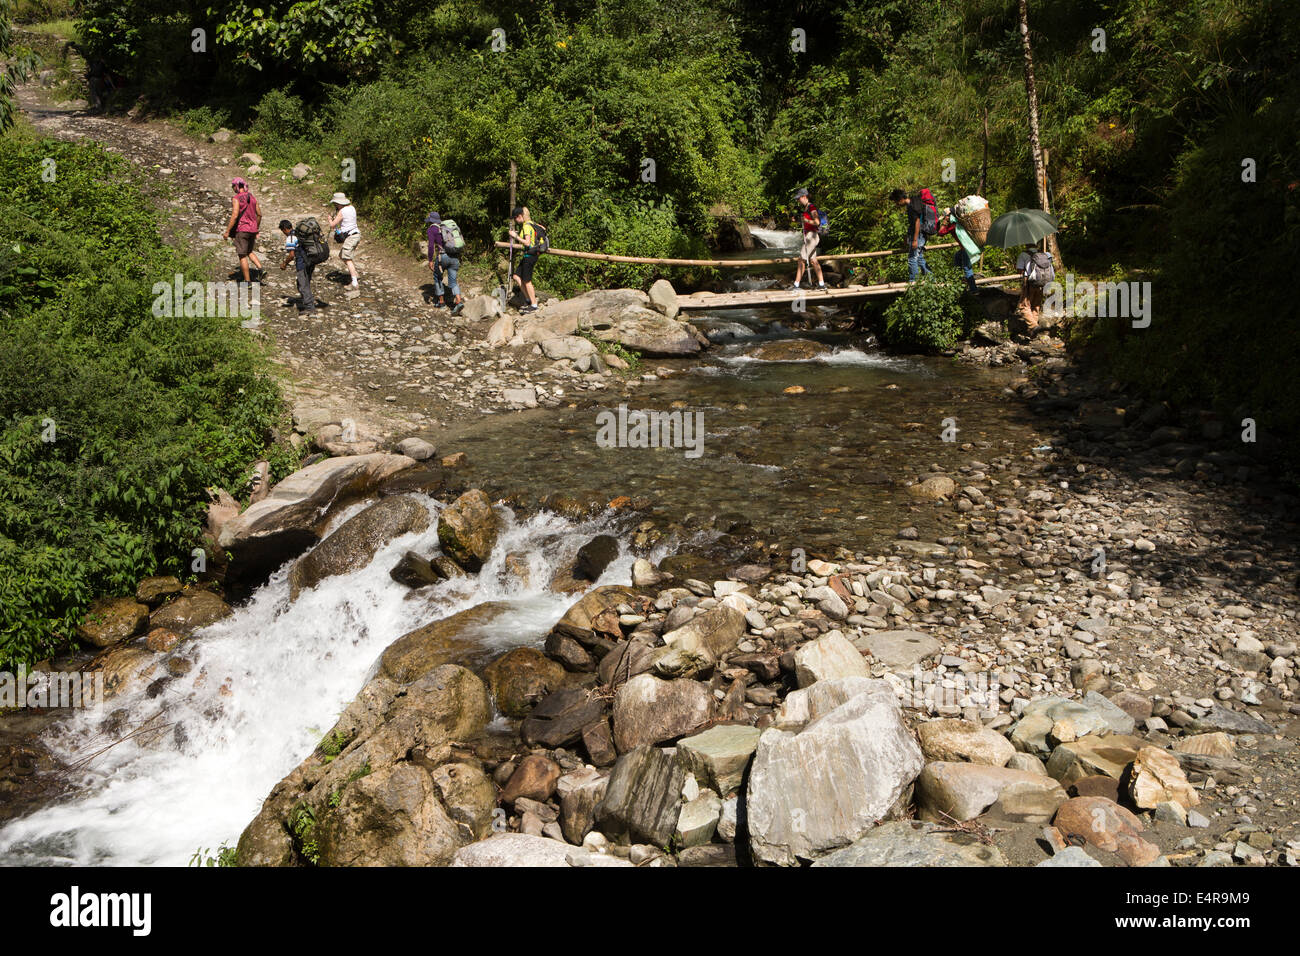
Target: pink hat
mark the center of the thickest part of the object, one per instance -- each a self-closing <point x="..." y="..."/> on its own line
<point x="239" y="181"/>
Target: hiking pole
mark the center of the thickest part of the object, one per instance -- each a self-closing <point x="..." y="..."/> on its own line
<point x="509" y="284"/>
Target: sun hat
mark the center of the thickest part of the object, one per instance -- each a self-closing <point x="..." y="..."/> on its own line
<point x="339" y="199"/>
<point x="432" y="218"/>
<point x="239" y="181"/>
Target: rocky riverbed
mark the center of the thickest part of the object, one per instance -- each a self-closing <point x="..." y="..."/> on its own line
<point x="1075" y="646"/>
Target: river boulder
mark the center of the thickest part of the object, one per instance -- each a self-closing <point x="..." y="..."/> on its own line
<point x="110" y="620"/>
<point x="827" y="785"/>
<point x="354" y="543"/>
<point x="650" y="333"/>
<point x="468" y="529"/>
<point x="663" y="298"/>
<point x="520" y="678"/>
<point x="456" y="637"/>
<point x="648" y="710"/>
<point x="190" y="612"/>
<point x="291" y="517"/>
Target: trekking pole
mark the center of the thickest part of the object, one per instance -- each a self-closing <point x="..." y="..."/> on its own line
<point x="509" y="284"/>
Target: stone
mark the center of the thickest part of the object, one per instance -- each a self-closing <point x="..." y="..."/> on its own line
<point x="645" y="574"/>
<point x="534" y="778"/>
<point x="642" y="801"/>
<point x="457" y="637"/>
<point x="964" y="740"/>
<point x="1117" y="719"/>
<point x="416" y="448"/>
<point x="1156" y="777"/>
<point x="525" y="397"/>
<point x="1089" y="675"/>
<point x="828" y="602"/>
<point x="1029" y="762"/>
<point x="520" y="678"/>
<point x="947" y="792"/>
<point x="1231" y="721"/>
<point x="579" y="792"/>
<point x="559" y="720"/>
<point x="663" y="298"/>
<point x="594" y="557"/>
<point x="898" y="650"/>
<point x="649" y="333"/>
<point x="415" y="571"/>
<point x="698" y="820"/>
<point x="1217" y="744"/>
<point x="598" y="740"/>
<point x="711" y="854"/>
<point x="789" y="350"/>
<point x="1136" y="706"/>
<point x="648" y="710"/>
<point x="829" y="657"/>
<point x="109" y="620"/>
<point x="902" y="843"/>
<point x="1107" y="826"/>
<point x="288" y="520"/>
<point x="711" y="635"/>
<point x="222" y="135"/>
<point x="160" y="640"/>
<point x="825" y="786"/>
<point x="1168" y="811"/>
<point x="1093" y="754"/>
<point x="805" y="705"/>
<point x="354" y="544"/>
<point x="190" y="612"/>
<point x="502" y="330"/>
<point x="480" y="307"/>
<point x="719" y="756"/>
<point x="1197" y="820"/>
<point x="933" y="488"/>
<point x="468" y="529"/>
<point x="520" y="849"/>
<point x="1071" y="856"/>
<point x="300" y="171"/>
<point x="152" y="591"/>
<point x="251" y="159"/>
<point x="594" y="618"/>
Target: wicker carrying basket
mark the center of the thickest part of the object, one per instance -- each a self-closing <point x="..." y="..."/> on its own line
<point x="977" y="224"/>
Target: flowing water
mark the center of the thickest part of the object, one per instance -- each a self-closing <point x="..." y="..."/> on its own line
<point x="265" y="685"/>
<point x="820" y="467"/>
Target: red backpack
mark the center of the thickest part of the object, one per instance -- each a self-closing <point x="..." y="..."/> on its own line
<point x="930" y="221"/>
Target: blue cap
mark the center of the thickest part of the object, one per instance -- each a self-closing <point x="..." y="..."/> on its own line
<point x="433" y="217"/>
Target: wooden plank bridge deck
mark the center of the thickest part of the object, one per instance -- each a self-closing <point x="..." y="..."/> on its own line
<point x="741" y="300"/>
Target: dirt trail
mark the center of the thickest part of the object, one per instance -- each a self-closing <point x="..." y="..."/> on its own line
<point x="386" y="359"/>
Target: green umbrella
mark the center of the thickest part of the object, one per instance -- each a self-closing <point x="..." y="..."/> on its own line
<point x="1021" y="227"/>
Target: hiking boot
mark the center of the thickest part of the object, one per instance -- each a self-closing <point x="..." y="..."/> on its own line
<point x="458" y="308"/>
<point x="528" y="309"/>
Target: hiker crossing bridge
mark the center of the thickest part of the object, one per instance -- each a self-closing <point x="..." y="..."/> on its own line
<point x="758" y="297"/>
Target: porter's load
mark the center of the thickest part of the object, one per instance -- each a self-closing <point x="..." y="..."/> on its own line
<point x="973" y="214"/>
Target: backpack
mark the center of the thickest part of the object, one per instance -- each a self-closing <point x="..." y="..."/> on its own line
<point x="311" y="241"/>
<point x="823" y="224"/>
<point x="542" y="242"/>
<point x="930" y="220"/>
<point x="1039" y="269"/>
<point x="453" y="242"/>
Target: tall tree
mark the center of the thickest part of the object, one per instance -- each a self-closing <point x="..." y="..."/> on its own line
<point x="1035" y="144"/>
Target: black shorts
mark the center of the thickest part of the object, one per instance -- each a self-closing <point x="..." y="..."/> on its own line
<point x="524" y="268"/>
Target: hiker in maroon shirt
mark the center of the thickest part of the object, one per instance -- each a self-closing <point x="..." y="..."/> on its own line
<point x="245" y="221"/>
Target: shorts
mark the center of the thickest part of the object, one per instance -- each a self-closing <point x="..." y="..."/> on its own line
<point x="244" y="242"/>
<point x="809" y="247"/>
<point x="349" y="245"/>
<point x="525" y="268"/>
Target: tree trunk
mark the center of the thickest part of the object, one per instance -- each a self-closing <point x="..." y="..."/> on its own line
<point x="984" y="164"/>
<point x="1035" y="145"/>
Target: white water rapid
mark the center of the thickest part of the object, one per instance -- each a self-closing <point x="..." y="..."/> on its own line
<point x="265" y="685"/>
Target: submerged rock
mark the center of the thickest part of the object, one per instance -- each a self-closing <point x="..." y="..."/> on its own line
<point x="354" y="543"/>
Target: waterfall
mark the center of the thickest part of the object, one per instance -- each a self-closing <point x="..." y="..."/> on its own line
<point x="263" y="686"/>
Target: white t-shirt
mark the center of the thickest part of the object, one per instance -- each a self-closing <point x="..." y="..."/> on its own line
<point x="349" y="221"/>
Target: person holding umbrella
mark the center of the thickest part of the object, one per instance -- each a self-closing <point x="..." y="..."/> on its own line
<point x="1027" y="228"/>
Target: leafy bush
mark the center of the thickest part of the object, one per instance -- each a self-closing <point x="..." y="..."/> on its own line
<point x="928" y="316"/>
<point x="113" y="421"/>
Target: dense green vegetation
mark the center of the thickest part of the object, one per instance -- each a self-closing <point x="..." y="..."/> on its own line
<point x="113" y="421"/>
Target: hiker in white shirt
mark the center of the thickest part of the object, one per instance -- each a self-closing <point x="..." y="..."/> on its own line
<point x="344" y="224"/>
